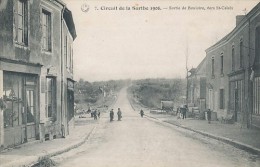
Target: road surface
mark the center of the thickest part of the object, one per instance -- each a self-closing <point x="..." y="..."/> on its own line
<point x="140" y="142"/>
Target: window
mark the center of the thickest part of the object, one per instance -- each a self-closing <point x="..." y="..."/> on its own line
<point x="222" y="64"/>
<point x="221" y="99"/>
<point x="68" y="55"/>
<point x="236" y="94"/>
<point x="241" y="52"/>
<point x="21" y="22"/>
<point x="66" y="49"/>
<point x="30" y="98"/>
<point x="257" y="45"/>
<point x="46" y="30"/>
<point x="51" y="97"/>
<point x="212" y="67"/>
<point x="71" y="57"/>
<point x="19" y="96"/>
<point x="256" y="96"/>
<point x="233" y="58"/>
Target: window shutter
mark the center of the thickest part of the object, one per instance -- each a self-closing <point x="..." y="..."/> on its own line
<point x="49" y="33"/>
<point x="26" y="22"/>
<point x="15" y="20"/>
<point x="41" y="28"/>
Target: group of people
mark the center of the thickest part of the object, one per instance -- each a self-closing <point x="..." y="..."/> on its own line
<point x="95" y="114"/>
<point x="181" y="112"/>
<point x="119" y="115"/>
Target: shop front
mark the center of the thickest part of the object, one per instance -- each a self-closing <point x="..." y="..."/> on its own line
<point x="70" y="103"/>
<point x="20" y="94"/>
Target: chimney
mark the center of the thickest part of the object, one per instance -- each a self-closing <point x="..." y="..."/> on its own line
<point x="239" y="18"/>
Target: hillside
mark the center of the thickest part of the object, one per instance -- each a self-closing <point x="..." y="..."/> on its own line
<point x="150" y="92"/>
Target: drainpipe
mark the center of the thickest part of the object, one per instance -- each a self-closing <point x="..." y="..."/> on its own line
<point x="249" y="98"/>
<point x="62" y="81"/>
<point x="250" y="68"/>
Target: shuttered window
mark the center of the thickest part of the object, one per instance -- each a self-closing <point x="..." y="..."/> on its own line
<point x="50" y="97"/>
<point x="21" y="22"/>
<point x="221" y="99"/>
<point x="46" y="31"/>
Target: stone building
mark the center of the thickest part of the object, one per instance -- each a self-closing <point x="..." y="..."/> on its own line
<point x="233" y="72"/>
<point x="197" y="87"/>
<point x="31" y="77"/>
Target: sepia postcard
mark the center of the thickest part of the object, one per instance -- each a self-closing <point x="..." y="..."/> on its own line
<point x="130" y="83"/>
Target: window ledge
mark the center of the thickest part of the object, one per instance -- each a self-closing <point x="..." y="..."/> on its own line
<point x="49" y="119"/>
<point x="21" y="45"/>
<point x="46" y="52"/>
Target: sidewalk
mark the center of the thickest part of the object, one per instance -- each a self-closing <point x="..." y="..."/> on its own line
<point x="233" y="134"/>
<point x="30" y="153"/>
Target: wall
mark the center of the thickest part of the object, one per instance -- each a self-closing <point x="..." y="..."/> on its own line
<point x="218" y="81"/>
<point x="67" y="73"/>
<point x="52" y="68"/>
<point x="1" y="111"/>
<point x="244" y="31"/>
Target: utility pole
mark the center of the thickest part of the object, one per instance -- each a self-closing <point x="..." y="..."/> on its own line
<point x="187" y="56"/>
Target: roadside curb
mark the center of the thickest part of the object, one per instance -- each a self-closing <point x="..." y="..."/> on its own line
<point x="234" y="143"/>
<point x="20" y="146"/>
<point x="32" y="160"/>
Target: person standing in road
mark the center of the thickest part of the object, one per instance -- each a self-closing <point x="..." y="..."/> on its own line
<point x="95" y="114"/>
<point x="98" y="114"/>
<point x="119" y="114"/>
<point x="142" y="113"/>
<point x="184" y="111"/>
<point x="209" y="115"/>
<point x="111" y="115"/>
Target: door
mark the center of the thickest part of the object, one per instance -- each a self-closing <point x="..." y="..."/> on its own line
<point x="30" y="113"/>
<point x="236" y="105"/>
<point x="211" y="99"/>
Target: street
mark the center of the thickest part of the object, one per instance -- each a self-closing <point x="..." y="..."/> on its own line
<point x="137" y="141"/>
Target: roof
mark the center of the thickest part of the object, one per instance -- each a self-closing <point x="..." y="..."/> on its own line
<point x="67" y="15"/>
<point x="242" y="23"/>
<point x="192" y="70"/>
<point x="201" y="63"/>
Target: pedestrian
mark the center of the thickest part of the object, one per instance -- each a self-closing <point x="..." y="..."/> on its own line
<point x="177" y="112"/>
<point x="98" y="114"/>
<point x="111" y="115"/>
<point x="62" y="131"/>
<point x="142" y="113"/>
<point x="184" y="111"/>
<point x="95" y="114"/>
<point x="92" y="114"/>
<point x="180" y="112"/>
<point x="209" y="115"/>
<point x="119" y="114"/>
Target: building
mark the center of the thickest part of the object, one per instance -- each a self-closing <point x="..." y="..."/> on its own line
<point x="233" y="71"/>
<point x="31" y="65"/>
<point x="197" y="87"/>
<point x="68" y="36"/>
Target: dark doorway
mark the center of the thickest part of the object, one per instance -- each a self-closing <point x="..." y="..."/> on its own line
<point x="236" y="105"/>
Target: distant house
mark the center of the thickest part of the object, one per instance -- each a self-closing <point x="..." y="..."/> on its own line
<point x="197" y="86"/>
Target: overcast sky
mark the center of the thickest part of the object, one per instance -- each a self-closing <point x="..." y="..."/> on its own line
<point x="114" y="44"/>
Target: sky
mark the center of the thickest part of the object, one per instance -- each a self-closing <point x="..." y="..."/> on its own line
<point x="135" y="44"/>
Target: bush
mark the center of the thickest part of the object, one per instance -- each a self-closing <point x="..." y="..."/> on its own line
<point x="45" y="162"/>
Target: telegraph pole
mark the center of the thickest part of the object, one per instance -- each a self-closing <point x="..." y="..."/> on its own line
<point x="187" y="56"/>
